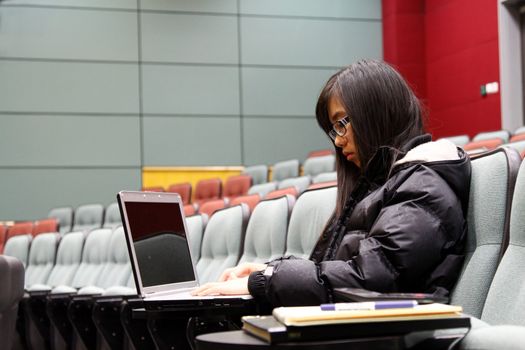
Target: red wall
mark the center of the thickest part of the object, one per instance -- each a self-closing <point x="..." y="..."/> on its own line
<point x="460" y="54"/>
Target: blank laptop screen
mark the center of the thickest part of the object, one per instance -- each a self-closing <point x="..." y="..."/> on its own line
<point x="161" y="248"/>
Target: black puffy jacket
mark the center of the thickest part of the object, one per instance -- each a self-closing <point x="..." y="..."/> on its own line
<point x="406" y="235"/>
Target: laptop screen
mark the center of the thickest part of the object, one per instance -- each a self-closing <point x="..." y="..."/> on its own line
<point x="161" y="247"/>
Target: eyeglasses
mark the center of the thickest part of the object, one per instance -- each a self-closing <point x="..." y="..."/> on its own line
<point x="339" y="128"/>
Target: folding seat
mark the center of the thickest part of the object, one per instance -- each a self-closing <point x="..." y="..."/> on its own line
<point x="222" y="242"/>
<point x="45" y="226"/>
<point x="483" y="145"/>
<point x="292" y="191"/>
<point x="285" y="169"/>
<point x="309" y="217"/>
<point x="250" y="199"/>
<point x="207" y="189"/>
<point x="318" y="165"/>
<point x="301" y="183"/>
<point x="210" y="207"/>
<point x="3" y="233"/>
<point x="266" y="232"/>
<point x="237" y="186"/>
<point x="259" y="173"/>
<point x="320" y="153"/>
<point x="42" y="257"/>
<point x="18" y="247"/>
<point x="459" y="140"/>
<point x="11" y="292"/>
<point x="503" y="135"/>
<point x="112" y="216"/>
<point x="20" y="228"/>
<point x="325" y="177"/>
<point x="183" y="189"/>
<point x="88" y="217"/>
<point x="153" y="189"/>
<point x="519" y="130"/>
<point x="196" y="225"/>
<point x="263" y="189"/>
<point x="64" y="215"/>
<point x="491" y="189"/>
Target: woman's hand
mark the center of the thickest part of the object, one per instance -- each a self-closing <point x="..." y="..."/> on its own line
<point x="240" y="271"/>
<point x="236" y="286"/>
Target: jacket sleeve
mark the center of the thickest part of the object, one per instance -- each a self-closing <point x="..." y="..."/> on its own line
<point x="403" y="246"/>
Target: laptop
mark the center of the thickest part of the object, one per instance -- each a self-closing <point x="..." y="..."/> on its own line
<point x="159" y="250"/>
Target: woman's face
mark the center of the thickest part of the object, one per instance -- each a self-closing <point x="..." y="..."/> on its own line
<point x="346" y="143"/>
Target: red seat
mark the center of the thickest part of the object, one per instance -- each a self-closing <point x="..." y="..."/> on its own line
<point x="20" y="228"/>
<point x="3" y="233"/>
<point x="183" y="189"/>
<point x="153" y="189"/>
<point x="320" y="153"/>
<point x="45" y="226"/>
<point x="322" y="185"/>
<point x="237" y="186"/>
<point x="207" y="189"/>
<point x="251" y="200"/>
<point x="189" y="210"/>
<point x="212" y="206"/>
<point x="483" y="144"/>
<point x="279" y="193"/>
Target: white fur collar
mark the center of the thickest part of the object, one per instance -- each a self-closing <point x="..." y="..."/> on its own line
<point x="431" y="152"/>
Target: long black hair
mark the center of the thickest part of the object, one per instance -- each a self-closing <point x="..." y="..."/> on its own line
<point x="383" y="111"/>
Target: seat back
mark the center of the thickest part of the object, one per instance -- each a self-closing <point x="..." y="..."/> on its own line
<point x="459" y="140"/>
<point x="210" y="207"/>
<point x="94" y="257"/>
<point x="317" y="165"/>
<point x="503" y="135"/>
<point x="505" y="301"/>
<point x="208" y="189"/>
<point x="117" y="268"/>
<point x="263" y="189"/>
<point x="20" y="228"/>
<point x="183" y="189"/>
<point x="483" y="145"/>
<point x="11" y="292"/>
<point x="259" y="173"/>
<point x="45" y="226"/>
<point x="222" y="242"/>
<point x="18" y="247"/>
<point x="64" y="215"/>
<point x="196" y="225"/>
<point x="518" y="145"/>
<point x="112" y="216"/>
<point x="237" y="186"/>
<point x="88" y="217"/>
<point x="325" y="177"/>
<point x="266" y="232"/>
<point x="68" y="259"/>
<point x="292" y="191"/>
<point x="309" y="216"/>
<point x="301" y="183"/>
<point x="42" y="257"/>
<point x="251" y="200"/>
<point x="491" y="187"/>
<point x="285" y="169"/>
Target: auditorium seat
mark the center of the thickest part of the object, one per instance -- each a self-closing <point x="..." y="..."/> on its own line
<point x="316" y="165"/>
<point x="309" y="216"/>
<point x="20" y="228"/>
<point x="491" y="189"/>
<point x="11" y="292"/>
<point x="518" y="137"/>
<point x="88" y="217"/>
<point x="3" y="234"/>
<point x="301" y="183"/>
<point x="517" y="145"/>
<point x="320" y="153"/>
<point x="42" y="256"/>
<point x="459" y="140"/>
<point x="266" y="232"/>
<point x="292" y="191"/>
<point x="45" y="226"/>
<point x="222" y="242"/>
<point x="250" y="199"/>
<point x="505" y="301"/>
<point x="237" y="186"/>
<point x="183" y="189"/>
<point x="196" y="225"/>
<point x="64" y="215"/>
<point x="263" y="189"/>
<point x="322" y="185"/>
<point x="504" y="135"/>
<point x="18" y="247"/>
<point x="520" y="130"/>
<point x="210" y="207"/>
<point x="207" y="189"/>
<point x="259" y="173"/>
<point x="486" y="145"/>
<point x="325" y="177"/>
<point x="285" y="169"/>
<point x="112" y="218"/>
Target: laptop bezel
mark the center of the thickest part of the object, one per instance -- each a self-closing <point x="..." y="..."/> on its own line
<point x="153" y="197"/>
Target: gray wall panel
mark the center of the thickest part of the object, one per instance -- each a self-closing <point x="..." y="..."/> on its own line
<point x="68" y="34"/>
<point x="268" y="140"/>
<point x="278" y="41"/>
<point x="69" y="141"/>
<point x="117" y="4"/>
<point x="181" y="141"/>
<point x="282" y="91"/>
<point x="315" y="8"/>
<point x="29" y="195"/>
<point x="213" y="6"/>
<point x="189" y="38"/>
<point x="190" y="90"/>
<point x="68" y="87"/>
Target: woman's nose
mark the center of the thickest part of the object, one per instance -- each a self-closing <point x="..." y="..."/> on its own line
<point x="339" y="141"/>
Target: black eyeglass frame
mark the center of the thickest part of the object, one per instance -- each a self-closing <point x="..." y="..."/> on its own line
<point x="339" y="128"/>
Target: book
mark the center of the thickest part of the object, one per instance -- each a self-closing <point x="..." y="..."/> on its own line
<point x="269" y="329"/>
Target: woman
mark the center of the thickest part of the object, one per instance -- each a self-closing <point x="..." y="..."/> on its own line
<point x="400" y="219"/>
